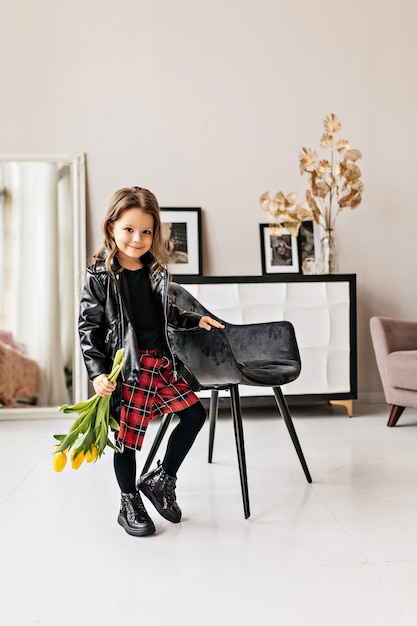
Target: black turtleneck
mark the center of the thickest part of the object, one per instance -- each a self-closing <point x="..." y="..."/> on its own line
<point x="144" y="309"/>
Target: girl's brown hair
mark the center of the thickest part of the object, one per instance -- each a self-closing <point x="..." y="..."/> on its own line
<point x="132" y="198"/>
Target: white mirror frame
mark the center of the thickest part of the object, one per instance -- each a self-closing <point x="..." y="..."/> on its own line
<point x="80" y="379"/>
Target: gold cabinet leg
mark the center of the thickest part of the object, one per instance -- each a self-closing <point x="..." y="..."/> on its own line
<point x="348" y="404"/>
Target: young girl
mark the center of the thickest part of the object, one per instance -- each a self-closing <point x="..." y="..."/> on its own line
<point x="125" y="304"/>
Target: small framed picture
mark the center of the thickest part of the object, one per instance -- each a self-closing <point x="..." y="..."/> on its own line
<point x="181" y="231"/>
<point x="308" y="240"/>
<point x="279" y="254"/>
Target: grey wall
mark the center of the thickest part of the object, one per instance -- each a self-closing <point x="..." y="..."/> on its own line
<point x="209" y="103"/>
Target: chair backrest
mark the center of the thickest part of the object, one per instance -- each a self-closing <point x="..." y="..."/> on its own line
<point x="184" y="300"/>
<point x="390" y="334"/>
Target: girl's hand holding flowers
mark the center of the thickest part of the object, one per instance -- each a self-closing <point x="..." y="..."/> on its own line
<point x="88" y="435"/>
<point x="103" y="386"/>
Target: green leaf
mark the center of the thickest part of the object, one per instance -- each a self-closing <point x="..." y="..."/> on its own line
<point x="78" y="423"/>
<point x="88" y="441"/>
<point x="80" y="407"/>
<point x="111" y="445"/>
<point x="116" y="370"/>
<point x="67" y="442"/>
<point x="118" y="357"/>
<point x="102" y="438"/>
<point x="113" y="424"/>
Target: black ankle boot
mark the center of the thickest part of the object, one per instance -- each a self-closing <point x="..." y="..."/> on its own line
<point x="133" y="516"/>
<point x="159" y="487"/>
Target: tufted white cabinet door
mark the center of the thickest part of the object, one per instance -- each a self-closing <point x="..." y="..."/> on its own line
<point x="322" y="310"/>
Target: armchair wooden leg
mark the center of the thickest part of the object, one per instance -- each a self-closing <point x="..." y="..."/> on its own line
<point x="395" y="414"/>
<point x="213" y="412"/>
<point x="163" y="426"/>
<point x="286" y="416"/>
<point x="240" y="446"/>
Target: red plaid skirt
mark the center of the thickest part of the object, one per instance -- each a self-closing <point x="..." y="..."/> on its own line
<point x="155" y="393"/>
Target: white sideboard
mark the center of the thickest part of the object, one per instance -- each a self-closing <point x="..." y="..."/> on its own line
<point x="322" y="310"/>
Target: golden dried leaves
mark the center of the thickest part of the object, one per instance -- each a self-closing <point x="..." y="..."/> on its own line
<point x="332" y="124"/>
<point x="326" y="141"/>
<point x="286" y="213"/>
<point x="334" y="184"/>
<point x="307" y="159"/>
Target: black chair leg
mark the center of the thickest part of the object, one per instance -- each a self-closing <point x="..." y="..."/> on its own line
<point x="240" y="446"/>
<point x="163" y="426"/>
<point x="213" y="412"/>
<point x="286" y="416"/>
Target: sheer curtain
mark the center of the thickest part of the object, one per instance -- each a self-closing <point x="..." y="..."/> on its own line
<point x="41" y="267"/>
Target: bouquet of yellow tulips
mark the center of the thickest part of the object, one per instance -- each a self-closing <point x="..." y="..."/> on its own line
<point x="89" y="434"/>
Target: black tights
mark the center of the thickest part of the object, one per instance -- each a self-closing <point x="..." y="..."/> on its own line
<point x="179" y="444"/>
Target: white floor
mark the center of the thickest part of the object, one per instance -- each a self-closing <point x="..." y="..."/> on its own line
<point x="340" y="551"/>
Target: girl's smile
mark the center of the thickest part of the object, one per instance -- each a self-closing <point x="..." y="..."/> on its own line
<point x="133" y="235"/>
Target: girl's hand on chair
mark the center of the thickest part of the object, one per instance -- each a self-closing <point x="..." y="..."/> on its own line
<point x="208" y="322"/>
<point x="102" y="385"/>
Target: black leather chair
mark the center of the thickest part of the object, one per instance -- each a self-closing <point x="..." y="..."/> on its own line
<point x="264" y="354"/>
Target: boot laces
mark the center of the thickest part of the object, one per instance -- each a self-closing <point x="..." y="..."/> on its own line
<point x="169" y="489"/>
<point x="133" y="505"/>
<point x="128" y="501"/>
<point x="138" y="504"/>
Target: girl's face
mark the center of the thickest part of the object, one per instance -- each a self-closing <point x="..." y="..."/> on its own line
<point x="133" y="235"/>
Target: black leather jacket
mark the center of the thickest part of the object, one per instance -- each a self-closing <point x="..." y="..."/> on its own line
<point x="105" y="326"/>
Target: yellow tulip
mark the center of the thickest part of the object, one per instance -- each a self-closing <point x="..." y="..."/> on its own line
<point x="59" y="461"/>
<point x="91" y="454"/>
<point x="77" y="459"/>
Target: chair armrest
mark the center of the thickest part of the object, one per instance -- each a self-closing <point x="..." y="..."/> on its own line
<point x="390" y="334"/>
<point x="207" y="354"/>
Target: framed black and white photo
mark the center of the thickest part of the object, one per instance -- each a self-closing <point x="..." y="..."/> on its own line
<point x="308" y="240"/>
<point x="279" y="254"/>
<point x="181" y="231"/>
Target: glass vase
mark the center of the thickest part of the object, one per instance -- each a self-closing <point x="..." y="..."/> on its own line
<point x="329" y="253"/>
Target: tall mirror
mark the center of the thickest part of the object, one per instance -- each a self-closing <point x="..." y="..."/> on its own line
<point x="42" y="265"/>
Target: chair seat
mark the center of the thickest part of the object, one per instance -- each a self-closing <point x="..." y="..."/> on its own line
<point x="402" y="369"/>
<point x="269" y="373"/>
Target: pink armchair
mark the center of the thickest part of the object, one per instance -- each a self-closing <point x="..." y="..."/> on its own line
<point x="395" y="345"/>
<point x="18" y="373"/>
